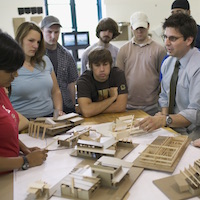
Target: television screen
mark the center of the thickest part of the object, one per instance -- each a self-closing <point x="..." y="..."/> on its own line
<point x="69" y="39"/>
<point x="76" y="42"/>
<point x="82" y="38"/>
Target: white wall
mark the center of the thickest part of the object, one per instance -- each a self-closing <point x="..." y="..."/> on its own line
<point x="120" y="10"/>
<point x="156" y="10"/>
<point x="9" y="10"/>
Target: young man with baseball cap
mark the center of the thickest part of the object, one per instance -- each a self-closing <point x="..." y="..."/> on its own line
<point x="183" y="6"/>
<point x="141" y="58"/>
<point x="63" y="62"/>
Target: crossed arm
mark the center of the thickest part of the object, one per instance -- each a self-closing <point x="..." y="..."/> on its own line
<point x="115" y="103"/>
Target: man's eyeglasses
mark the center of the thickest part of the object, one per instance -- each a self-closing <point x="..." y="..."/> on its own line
<point x="171" y="38"/>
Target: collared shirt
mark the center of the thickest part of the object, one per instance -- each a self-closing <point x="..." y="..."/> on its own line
<point x="66" y="72"/>
<point x="187" y="101"/>
<point x="141" y="65"/>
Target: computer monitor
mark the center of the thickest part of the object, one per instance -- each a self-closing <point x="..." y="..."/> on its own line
<point x="79" y="39"/>
<point x="68" y="39"/>
<point x="82" y="38"/>
<point x="75" y="41"/>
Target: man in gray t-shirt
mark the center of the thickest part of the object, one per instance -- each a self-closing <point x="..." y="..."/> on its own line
<point x="106" y="30"/>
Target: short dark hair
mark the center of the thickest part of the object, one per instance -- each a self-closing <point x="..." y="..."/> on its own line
<point x="12" y="55"/>
<point x="184" y="23"/>
<point x="107" y="24"/>
<point x="99" y="55"/>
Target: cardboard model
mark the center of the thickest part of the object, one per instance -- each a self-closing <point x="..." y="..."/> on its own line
<point x="52" y="126"/>
<point x="182" y="186"/>
<point x="108" y="178"/>
<point x="163" y="154"/>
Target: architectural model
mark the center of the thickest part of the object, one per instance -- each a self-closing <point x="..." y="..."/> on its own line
<point x="110" y="170"/>
<point x="38" y="190"/>
<point x="184" y="185"/>
<point x="84" y="134"/>
<point x="124" y="127"/>
<point x="189" y="179"/>
<point x="105" y="146"/>
<point x="163" y="154"/>
<point x="86" y="181"/>
<point x="52" y="126"/>
<point x="78" y="185"/>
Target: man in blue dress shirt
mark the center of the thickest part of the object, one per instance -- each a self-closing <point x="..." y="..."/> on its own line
<point x="180" y="31"/>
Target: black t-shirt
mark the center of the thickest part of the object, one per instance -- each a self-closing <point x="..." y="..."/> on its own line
<point x="52" y="54"/>
<point x="88" y="87"/>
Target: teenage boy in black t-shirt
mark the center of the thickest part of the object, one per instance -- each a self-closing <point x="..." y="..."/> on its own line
<point x="101" y="89"/>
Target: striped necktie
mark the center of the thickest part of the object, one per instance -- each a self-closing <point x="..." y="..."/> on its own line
<point x="173" y="84"/>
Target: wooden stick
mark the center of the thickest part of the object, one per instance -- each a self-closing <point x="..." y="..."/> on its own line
<point x="38" y="131"/>
<point x="43" y="134"/>
<point x="72" y="185"/>
<point x="192" y="182"/>
<point x="51" y="143"/>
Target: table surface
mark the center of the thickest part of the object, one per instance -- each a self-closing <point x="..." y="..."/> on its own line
<point x="59" y="163"/>
<point x="110" y="117"/>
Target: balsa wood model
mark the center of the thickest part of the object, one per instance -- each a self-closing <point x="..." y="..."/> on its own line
<point x="107" y="146"/>
<point x="107" y="178"/>
<point x="38" y="190"/>
<point x="124" y="127"/>
<point x="76" y="135"/>
<point x="51" y="126"/>
<point x="163" y="154"/>
<point x="184" y="185"/>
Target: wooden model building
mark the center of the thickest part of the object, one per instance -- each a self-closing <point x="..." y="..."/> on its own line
<point x="84" y="182"/>
<point x="110" y="170"/>
<point x="189" y="179"/>
<point x="53" y="126"/>
<point x="163" y="154"/>
<point x="106" y="178"/>
<point x="124" y="127"/>
<point x="38" y="190"/>
<point x="73" y="139"/>
<point x="106" y="146"/>
<point x="184" y="185"/>
<point x="78" y="185"/>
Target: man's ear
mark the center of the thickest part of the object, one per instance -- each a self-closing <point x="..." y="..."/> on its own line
<point x="148" y="26"/>
<point x="189" y="40"/>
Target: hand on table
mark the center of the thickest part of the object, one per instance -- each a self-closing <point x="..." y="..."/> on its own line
<point x="37" y="157"/>
<point x="196" y="143"/>
<point x="151" y="123"/>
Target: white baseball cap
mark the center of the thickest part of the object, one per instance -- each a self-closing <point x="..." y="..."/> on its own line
<point x="139" y="19"/>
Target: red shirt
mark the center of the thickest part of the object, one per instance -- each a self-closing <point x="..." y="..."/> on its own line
<point x="9" y="121"/>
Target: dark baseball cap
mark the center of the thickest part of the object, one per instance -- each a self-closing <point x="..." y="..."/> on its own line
<point x="183" y="4"/>
<point x="49" y="21"/>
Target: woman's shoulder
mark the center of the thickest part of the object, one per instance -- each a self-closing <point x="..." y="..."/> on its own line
<point x="48" y="62"/>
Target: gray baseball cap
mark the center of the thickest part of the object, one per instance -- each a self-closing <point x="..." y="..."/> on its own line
<point x="49" y="21"/>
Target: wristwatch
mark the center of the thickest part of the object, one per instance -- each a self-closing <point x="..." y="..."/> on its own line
<point x="25" y="164"/>
<point x="168" y="120"/>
